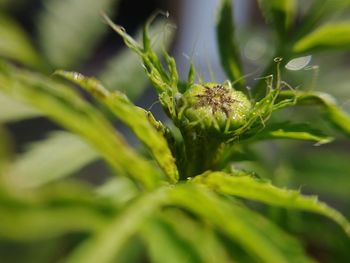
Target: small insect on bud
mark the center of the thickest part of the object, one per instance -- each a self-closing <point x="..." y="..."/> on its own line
<point x="216" y="106"/>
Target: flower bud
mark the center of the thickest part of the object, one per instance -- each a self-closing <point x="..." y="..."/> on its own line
<point x="215" y="106"/>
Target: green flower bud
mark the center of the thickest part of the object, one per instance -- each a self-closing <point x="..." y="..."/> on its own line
<point x="215" y="106"/>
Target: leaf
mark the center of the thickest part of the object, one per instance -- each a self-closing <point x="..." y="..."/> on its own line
<point x="16" y="45"/>
<point x="280" y="13"/>
<point x="133" y="83"/>
<point x="164" y="245"/>
<point x="250" y="188"/>
<point x="333" y="113"/>
<point x="319" y="12"/>
<point x="43" y="223"/>
<point x="200" y="237"/>
<point x="108" y="243"/>
<point x="60" y="155"/>
<point x="288" y="130"/>
<point x="256" y="235"/>
<point x="333" y="36"/>
<point x="134" y="251"/>
<point x="118" y="190"/>
<point x="67" y="108"/>
<point x="69" y="30"/>
<point x="50" y="212"/>
<point x="137" y="119"/>
<point x="12" y="110"/>
<point x="228" y="49"/>
<point x="164" y="80"/>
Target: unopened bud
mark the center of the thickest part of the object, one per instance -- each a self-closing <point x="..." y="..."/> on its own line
<point x="215" y="106"/>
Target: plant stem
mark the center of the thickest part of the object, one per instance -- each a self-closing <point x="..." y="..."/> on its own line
<point x="202" y="152"/>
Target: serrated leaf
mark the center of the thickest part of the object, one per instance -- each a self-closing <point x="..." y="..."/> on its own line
<point x="136" y="118"/>
<point x="249" y="188"/>
<point x="280" y="13"/>
<point x="256" y="235"/>
<point x="333" y="113"/>
<point x="12" y="110"/>
<point x="335" y="36"/>
<point x="165" y="80"/>
<point x="67" y="108"/>
<point x="287" y="130"/>
<point x="69" y="30"/>
<point x="16" y="45"/>
<point x="60" y="155"/>
<point x="133" y="83"/>
<point x="108" y="243"/>
<point x="228" y="48"/>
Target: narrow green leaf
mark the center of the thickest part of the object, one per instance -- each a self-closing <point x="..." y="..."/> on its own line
<point x="164" y="245"/>
<point x="250" y="188"/>
<point x="67" y="108"/>
<point x="136" y="118"/>
<point x="319" y="12"/>
<point x="200" y="236"/>
<point x="256" y="235"/>
<point x="16" y="45"/>
<point x="69" y="30"/>
<point x="41" y="223"/>
<point x="12" y="110"/>
<point x="133" y="83"/>
<point x="105" y="246"/>
<point x="60" y="155"/>
<point x="280" y="13"/>
<point x="164" y="80"/>
<point x="334" y="36"/>
<point x="228" y="49"/>
<point x="288" y="130"/>
<point x="333" y="113"/>
<point x="118" y="190"/>
<point x="134" y="251"/>
<point x="128" y="40"/>
<point x="50" y="212"/>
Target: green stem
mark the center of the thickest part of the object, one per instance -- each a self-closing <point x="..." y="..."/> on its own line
<point x="284" y="51"/>
<point x="202" y="152"/>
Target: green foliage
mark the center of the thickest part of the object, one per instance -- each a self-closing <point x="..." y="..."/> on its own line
<point x="327" y="37"/>
<point x="229" y="54"/>
<point x="242" y="225"/>
<point x="15" y="44"/>
<point x="141" y="122"/>
<point x="63" y="27"/>
<point x="186" y="200"/>
<point x="12" y="110"/>
<point x="38" y="165"/>
<point x="293" y="131"/>
<point x="250" y="188"/>
<point x="67" y="108"/>
<point x="333" y="113"/>
<point x="113" y="75"/>
<point x="51" y="212"/>
<point x="280" y="13"/>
